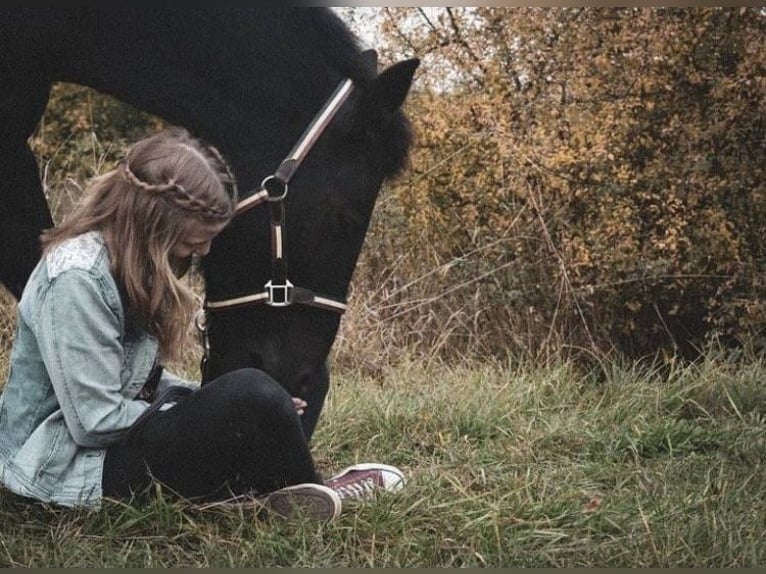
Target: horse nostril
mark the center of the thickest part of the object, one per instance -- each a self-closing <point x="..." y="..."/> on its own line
<point x="304" y="384"/>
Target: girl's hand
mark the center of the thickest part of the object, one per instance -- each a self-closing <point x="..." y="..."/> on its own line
<point x="299" y="405"/>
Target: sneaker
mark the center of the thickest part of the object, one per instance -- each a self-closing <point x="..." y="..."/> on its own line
<point x="300" y="500"/>
<point x="365" y="480"/>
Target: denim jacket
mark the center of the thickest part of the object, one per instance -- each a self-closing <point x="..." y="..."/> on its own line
<point x="77" y="365"/>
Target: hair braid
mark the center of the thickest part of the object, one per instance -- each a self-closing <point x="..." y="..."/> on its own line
<point x="177" y="193"/>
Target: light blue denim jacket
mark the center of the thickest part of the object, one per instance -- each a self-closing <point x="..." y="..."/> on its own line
<point x="76" y="366"/>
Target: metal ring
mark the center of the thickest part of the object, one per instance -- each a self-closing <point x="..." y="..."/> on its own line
<point x="274" y="198"/>
<point x="200" y="321"/>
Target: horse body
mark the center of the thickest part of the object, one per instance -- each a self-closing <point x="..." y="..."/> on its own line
<point x="249" y="81"/>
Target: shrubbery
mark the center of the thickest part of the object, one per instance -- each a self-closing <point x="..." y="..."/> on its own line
<point x="602" y="170"/>
<point x="82" y="134"/>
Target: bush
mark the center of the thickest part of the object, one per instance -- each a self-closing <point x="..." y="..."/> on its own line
<point x="590" y="180"/>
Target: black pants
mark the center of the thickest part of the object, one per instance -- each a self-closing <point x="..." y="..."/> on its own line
<point x="235" y="434"/>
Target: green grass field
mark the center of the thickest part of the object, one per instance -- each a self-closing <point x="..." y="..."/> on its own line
<point x="506" y="466"/>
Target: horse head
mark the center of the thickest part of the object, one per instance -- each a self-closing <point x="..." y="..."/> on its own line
<point x="308" y="231"/>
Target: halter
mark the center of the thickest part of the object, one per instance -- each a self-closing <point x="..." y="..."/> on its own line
<point x="279" y="291"/>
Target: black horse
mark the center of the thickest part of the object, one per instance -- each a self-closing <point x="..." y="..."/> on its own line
<point x="249" y="81"/>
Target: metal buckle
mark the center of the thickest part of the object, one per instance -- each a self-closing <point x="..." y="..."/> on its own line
<point x="200" y="321"/>
<point x="279" y="295"/>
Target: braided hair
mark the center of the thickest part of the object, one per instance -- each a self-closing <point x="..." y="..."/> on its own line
<point x="167" y="183"/>
<point x="170" y="190"/>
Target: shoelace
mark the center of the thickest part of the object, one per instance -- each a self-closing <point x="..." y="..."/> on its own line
<point x="359" y="489"/>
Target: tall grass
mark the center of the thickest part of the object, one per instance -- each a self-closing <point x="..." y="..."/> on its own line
<point x="507" y="465"/>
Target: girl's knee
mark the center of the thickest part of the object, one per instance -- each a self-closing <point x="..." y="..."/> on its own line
<point x="253" y="390"/>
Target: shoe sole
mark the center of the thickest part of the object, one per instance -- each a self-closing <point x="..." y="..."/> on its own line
<point x="304" y="500"/>
<point x="307" y="500"/>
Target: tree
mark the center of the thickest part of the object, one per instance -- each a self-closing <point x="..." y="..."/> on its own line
<point x="601" y="169"/>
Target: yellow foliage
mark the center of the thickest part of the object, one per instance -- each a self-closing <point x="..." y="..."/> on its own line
<point x="618" y="154"/>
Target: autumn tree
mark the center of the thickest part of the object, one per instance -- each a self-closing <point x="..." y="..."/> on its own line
<point x="584" y="179"/>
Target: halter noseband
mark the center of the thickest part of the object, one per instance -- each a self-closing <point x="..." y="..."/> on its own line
<point x="279" y="290"/>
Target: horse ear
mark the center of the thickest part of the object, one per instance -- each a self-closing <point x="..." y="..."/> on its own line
<point x="370" y="60"/>
<point x="392" y="85"/>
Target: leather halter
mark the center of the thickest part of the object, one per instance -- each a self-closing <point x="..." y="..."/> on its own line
<point x="279" y="290"/>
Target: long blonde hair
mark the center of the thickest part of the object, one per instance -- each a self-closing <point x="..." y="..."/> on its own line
<point x="166" y="183"/>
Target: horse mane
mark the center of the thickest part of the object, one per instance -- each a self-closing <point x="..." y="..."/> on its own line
<point x="339" y="44"/>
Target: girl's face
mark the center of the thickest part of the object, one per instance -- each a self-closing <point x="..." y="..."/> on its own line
<point x="194" y="241"/>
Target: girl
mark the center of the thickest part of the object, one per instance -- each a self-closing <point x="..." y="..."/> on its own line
<point x="87" y="411"/>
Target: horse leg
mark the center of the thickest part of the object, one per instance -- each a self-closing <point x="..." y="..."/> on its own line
<point x="24" y="210"/>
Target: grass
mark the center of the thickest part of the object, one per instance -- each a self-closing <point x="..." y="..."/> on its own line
<point x="507" y="466"/>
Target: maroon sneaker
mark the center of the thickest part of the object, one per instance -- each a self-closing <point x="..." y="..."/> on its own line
<point x="365" y="480"/>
